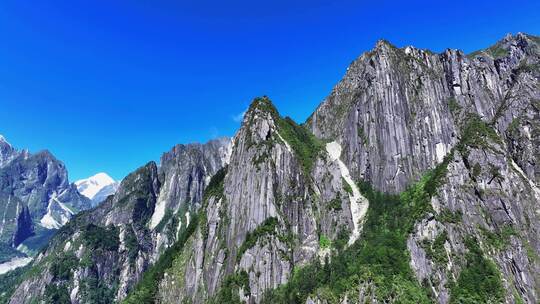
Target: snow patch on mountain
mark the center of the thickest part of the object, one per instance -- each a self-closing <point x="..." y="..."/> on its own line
<point x="97" y="187"/>
<point x="57" y="214"/>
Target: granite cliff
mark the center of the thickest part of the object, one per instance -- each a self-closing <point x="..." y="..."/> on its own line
<point x="415" y="181"/>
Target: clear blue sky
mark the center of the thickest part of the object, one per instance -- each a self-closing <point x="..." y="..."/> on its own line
<point x="110" y="85"/>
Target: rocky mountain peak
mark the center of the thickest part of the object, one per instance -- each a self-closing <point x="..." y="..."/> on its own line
<point x="261" y="107"/>
<point x="259" y="123"/>
<point x="131" y="229"/>
<point x="512" y="48"/>
<point x="519" y="39"/>
<point x="383" y="45"/>
<point x="186" y="171"/>
<point x="420" y="174"/>
<point x="7" y="151"/>
<point x="35" y="197"/>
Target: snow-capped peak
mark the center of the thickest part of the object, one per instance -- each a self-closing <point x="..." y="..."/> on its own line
<point x="98" y="179"/>
<point x="97" y="187"/>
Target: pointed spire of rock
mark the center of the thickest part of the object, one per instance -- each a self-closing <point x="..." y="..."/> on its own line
<point x="261" y="106"/>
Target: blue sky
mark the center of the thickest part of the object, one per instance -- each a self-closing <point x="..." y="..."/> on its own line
<point x="110" y="85"/>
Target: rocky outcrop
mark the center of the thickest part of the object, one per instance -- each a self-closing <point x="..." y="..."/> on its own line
<point x="399" y="112"/>
<point x="101" y="253"/>
<point x="7" y="152"/>
<point x="281" y="194"/>
<point x="486" y="197"/>
<point x="417" y="184"/>
<point x="492" y="183"/>
<point x="35" y="197"/>
<point x="392" y="111"/>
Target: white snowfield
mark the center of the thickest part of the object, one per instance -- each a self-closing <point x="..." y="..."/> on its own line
<point x="91" y="186"/>
<point x="13" y="264"/>
<point x="64" y="213"/>
<point x="359" y="204"/>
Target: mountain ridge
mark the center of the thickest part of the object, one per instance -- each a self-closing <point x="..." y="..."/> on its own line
<point x="37" y="196"/>
<point x="441" y="147"/>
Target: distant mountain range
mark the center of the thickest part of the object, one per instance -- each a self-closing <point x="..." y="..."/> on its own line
<point x="36" y="198"/>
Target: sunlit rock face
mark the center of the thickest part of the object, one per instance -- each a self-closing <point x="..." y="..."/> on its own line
<point x="125" y="234"/>
<point x="394" y="110"/>
<point x="399" y="112"/>
<point x="35" y="197"/>
<point x="266" y="212"/>
<point x="246" y="215"/>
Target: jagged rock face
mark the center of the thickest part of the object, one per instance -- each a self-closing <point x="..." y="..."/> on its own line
<point x="251" y="177"/>
<point x="493" y="186"/>
<point x="35" y="195"/>
<point x="392" y="111"/>
<point x="279" y="196"/>
<point x="397" y="114"/>
<point x="7" y="152"/>
<point x="495" y="203"/>
<point x="114" y="243"/>
<point x="266" y="217"/>
<point x="388" y="113"/>
<point x="94" y="238"/>
<point x="186" y="173"/>
<point x="490" y="194"/>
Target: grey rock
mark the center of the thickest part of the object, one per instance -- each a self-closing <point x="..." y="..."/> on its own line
<point x="35" y="196"/>
<point x="127" y="216"/>
<point x="397" y="113"/>
<point x="265" y="181"/>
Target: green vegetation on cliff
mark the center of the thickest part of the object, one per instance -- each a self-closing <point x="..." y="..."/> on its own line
<point x="479" y="281"/>
<point x="268" y="227"/>
<point x="304" y="144"/>
<point x="229" y="291"/>
<point x="146" y="290"/>
<point x="379" y="258"/>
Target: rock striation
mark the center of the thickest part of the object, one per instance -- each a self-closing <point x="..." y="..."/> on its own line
<point x="101" y="253"/>
<point x="266" y="216"/>
<point x="415" y="181"/>
<point x="35" y="197"/>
